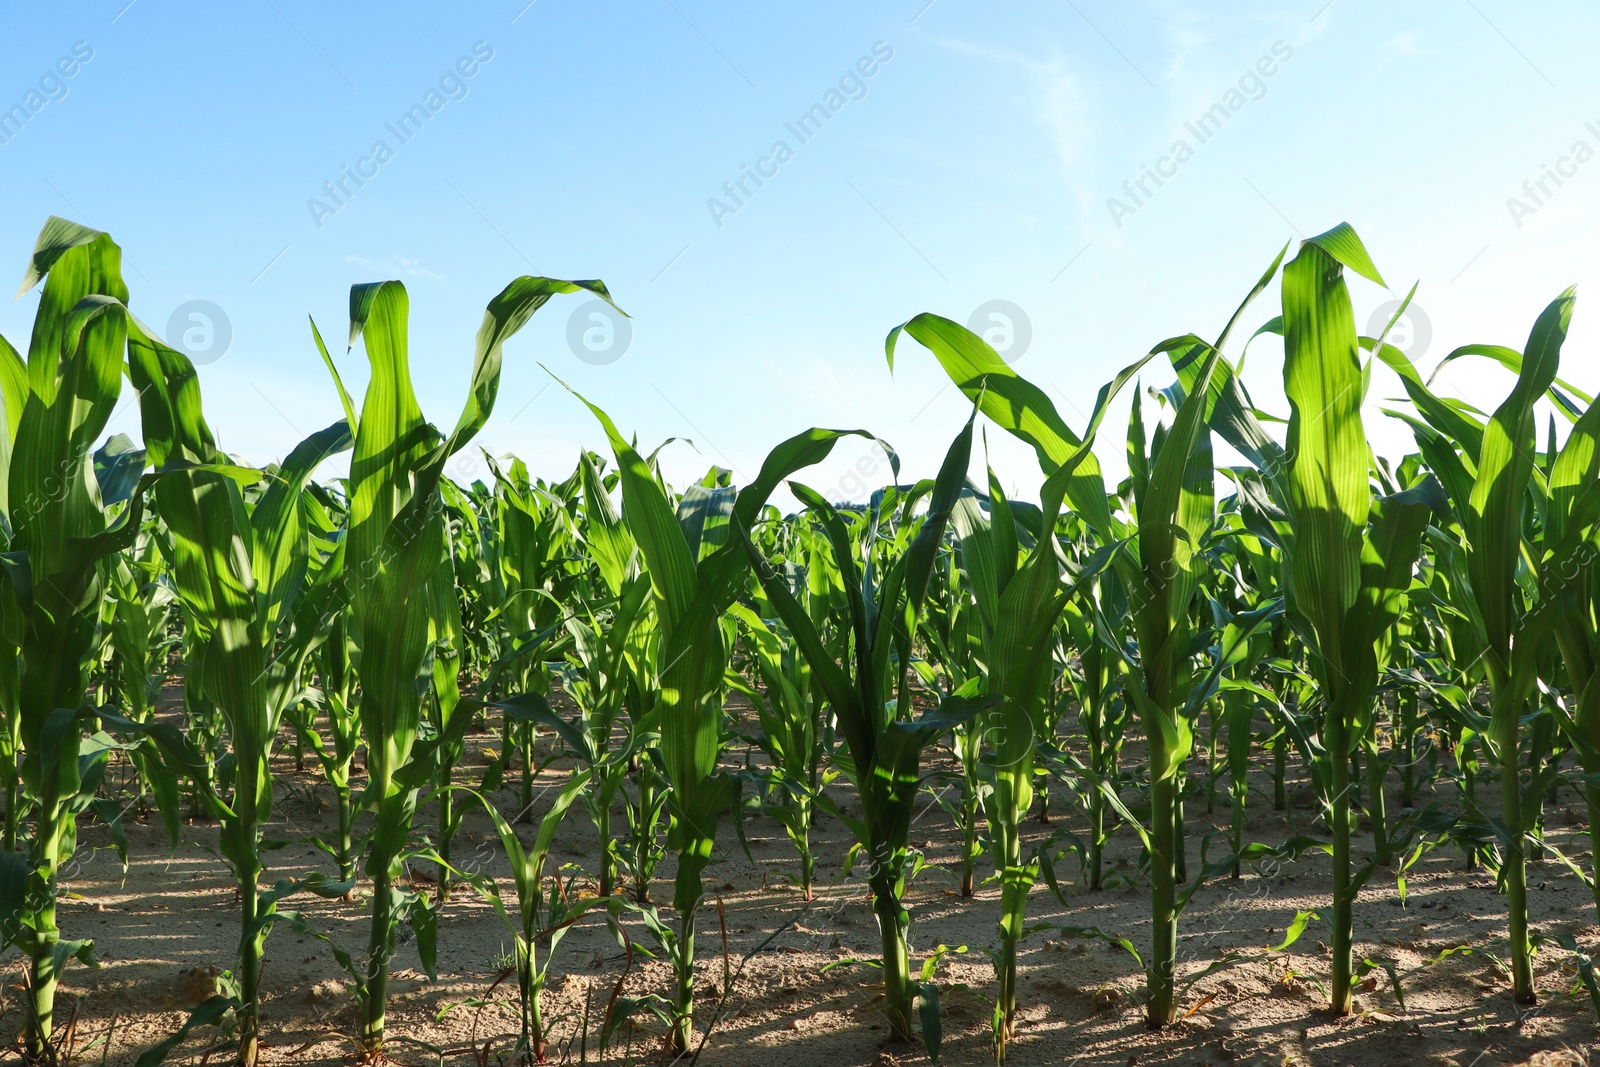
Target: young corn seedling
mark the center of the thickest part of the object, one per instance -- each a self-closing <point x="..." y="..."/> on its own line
<point x="135" y="617"/>
<point x="332" y="664"/>
<point x="643" y="850"/>
<point x="1026" y="603"/>
<point x="445" y="707"/>
<point x="691" y="591"/>
<point x="953" y="646"/>
<point x="1019" y="606"/>
<point x="612" y="631"/>
<point x="605" y="648"/>
<point x="1232" y="710"/>
<point x="1102" y="711"/>
<point x="534" y="541"/>
<point x="469" y="632"/>
<point x="542" y="916"/>
<point x="789" y="714"/>
<point x="139" y="616"/>
<point x="605" y="740"/>
<point x="1240" y="692"/>
<point x="336" y="673"/>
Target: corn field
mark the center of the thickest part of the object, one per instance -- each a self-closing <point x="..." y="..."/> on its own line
<point x="1318" y="663"/>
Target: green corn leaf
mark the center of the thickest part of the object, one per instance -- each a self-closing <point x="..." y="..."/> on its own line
<point x="1342" y="245"/>
<point x="535" y="708"/>
<point x="1511" y="360"/>
<point x="1328" y="494"/>
<point x="1296" y="928"/>
<point x="1389" y="551"/>
<point x="931" y="1019"/>
<point x="1012" y="402"/>
<point x="1505" y="467"/>
<point x="210" y="1012"/>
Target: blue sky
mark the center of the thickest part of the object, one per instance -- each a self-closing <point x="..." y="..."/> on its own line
<point x="976" y="162"/>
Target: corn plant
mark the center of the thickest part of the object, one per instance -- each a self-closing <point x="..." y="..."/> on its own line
<point x="334" y="693"/>
<point x="396" y="543"/>
<point x="1095" y="625"/>
<point x="612" y="631"/>
<point x="602" y="737"/>
<point x="1512" y="587"/>
<point x="1172" y="493"/>
<point x="1242" y="689"/>
<point x="1347" y="557"/>
<point x="204" y="726"/>
<point x="1573" y="476"/>
<point x="141" y="608"/>
<point x="1019" y="606"/>
<point x="695" y="568"/>
<point x="787" y="708"/>
<point x="333" y="661"/>
<point x="643" y="850"/>
<point x="1376" y="761"/>
<point x="139" y="611"/>
<point x="451" y="651"/>
<point x="542" y="916"/>
<point x="607" y="650"/>
<point x="475" y="551"/>
<point x="951" y="664"/>
<point x="869" y="690"/>
<point x="1173" y="499"/>
<point x="1102" y="711"/>
<point x="62" y="529"/>
<point x="534" y="536"/>
<point x="239" y="572"/>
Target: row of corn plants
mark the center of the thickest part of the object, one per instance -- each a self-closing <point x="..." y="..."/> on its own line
<point x="179" y="628"/>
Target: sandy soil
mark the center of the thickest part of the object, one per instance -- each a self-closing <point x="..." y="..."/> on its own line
<point x="163" y="930"/>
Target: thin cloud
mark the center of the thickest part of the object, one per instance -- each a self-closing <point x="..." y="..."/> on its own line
<point x="1058" y="99"/>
